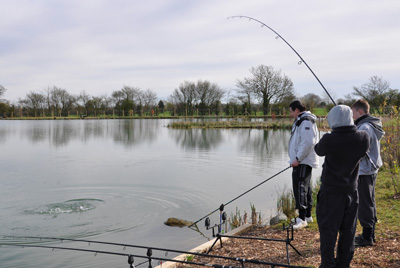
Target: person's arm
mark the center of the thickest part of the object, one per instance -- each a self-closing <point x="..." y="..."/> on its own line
<point x="371" y="134"/>
<point x="321" y="147"/>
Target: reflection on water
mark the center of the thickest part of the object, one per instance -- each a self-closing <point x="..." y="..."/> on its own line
<point x="197" y="138"/>
<point x="264" y="145"/>
<point x="131" y="132"/>
<point x="119" y="180"/>
<point x="60" y="133"/>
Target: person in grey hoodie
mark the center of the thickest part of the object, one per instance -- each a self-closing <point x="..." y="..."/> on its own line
<point x="303" y="159"/>
<point x="369" y="167"/>
<point x="337" y="199"/>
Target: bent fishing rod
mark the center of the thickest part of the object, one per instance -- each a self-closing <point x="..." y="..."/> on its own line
<point x="221" y="208"/>
<point x="287" y="43"/>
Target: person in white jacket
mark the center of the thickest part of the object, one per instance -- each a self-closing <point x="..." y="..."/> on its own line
<point x="303" y="159"/>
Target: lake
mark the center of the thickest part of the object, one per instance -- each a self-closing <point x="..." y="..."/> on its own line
<point x="119" y="180"/>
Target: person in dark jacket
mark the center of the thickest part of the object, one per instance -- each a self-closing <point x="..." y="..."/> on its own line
<point x="337" y="200"/>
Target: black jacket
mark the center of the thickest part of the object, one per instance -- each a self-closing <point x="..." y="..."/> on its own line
<point x="343" y="149"/>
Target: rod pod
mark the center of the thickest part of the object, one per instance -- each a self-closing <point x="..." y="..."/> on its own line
<point x="273" y="176"/>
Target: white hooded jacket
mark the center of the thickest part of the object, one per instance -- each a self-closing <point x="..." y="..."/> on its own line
<point x="302" y="141"/>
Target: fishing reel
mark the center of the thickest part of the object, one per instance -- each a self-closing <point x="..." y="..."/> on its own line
<point x="131" y="260"/>
<point x="223" y="218"/>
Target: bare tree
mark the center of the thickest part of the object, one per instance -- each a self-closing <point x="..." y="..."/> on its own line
<point x="149" y="99"/>
<point x="346" y="100"/>
<point x="268" y="85"/>
<point x="132" y="96"/>
<point x="245" y="93"/>
<point x="126" y="99"/>
<point x="326" y="99"/>
<point x="130" y="93"/>
<point x="311" y="100"/>
<point x="61" y="100"/>
<point x="97" y="104"/>
<point x="47" y="94"/>
<point x="184" y="98"/>
<point x="117" y="98"/>
<point x="85" y="99"/>
<point x="209" y="95"/>
<point x="107" y="102"/>
<point x="34" y="103"/>
<point x="374" y="91"/>
<point x="203" y="96"/>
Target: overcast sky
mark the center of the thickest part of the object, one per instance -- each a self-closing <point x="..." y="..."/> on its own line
<point x="98" y="46"/>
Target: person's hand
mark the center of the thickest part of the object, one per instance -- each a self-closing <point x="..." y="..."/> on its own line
<point x="295" y="163"/>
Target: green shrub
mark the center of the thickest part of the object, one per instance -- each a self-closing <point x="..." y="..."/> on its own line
<point x="286" y="204"/>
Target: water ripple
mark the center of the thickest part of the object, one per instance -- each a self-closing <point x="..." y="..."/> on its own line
<point x="70" y="206"/>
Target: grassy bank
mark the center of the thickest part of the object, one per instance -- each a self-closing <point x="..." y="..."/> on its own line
<point x="387" y="202"/>
<point x="284" y="124"/>
<point x="387" y="205"/>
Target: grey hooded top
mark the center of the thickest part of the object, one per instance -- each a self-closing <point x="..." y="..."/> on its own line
<point x="340" y="116"/>
<point x="371" y="163"/>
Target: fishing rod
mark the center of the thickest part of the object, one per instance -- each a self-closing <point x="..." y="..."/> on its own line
<point x="148" y="254"/>
<point x="130" y="256"/>
<point x="124" y="245"/>
<point x="287" y="43"/>
<point x="221" y="208"/>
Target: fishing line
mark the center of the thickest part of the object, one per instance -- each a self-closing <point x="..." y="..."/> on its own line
<point x="223" y="205"/>
<point x="287" y="43"/>
<point x="301" y="61"/>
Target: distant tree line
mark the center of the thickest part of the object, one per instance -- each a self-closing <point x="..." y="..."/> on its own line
<point x="265" y="91"/>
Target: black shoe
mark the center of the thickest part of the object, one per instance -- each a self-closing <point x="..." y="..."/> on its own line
<point x="360" y="241"/>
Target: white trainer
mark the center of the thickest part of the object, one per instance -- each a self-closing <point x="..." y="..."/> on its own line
<point x="309" y="219"/>
<point x="299" y="224"/>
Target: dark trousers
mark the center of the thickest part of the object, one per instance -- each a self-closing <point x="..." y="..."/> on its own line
<point x="301" y="179"/>
<point x="367" y="206"/>
<point x="337" y="213"/>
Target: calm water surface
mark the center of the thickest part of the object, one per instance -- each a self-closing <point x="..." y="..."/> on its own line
<point x="119" y="180"/>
